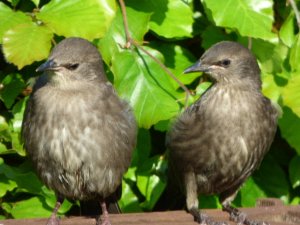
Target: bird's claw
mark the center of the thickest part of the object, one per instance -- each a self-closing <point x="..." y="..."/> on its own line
<point x="203" y="219"/>
<point x="241" y="218"/>
<point x="53" y="221"/>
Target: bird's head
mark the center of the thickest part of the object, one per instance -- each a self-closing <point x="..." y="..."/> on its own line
<point x="228" y="62"/>
<point x="73" y="59"/>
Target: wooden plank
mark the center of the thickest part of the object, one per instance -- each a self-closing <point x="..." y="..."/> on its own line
<point x="271" y="211"/>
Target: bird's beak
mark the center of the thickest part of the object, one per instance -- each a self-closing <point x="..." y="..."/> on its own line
<point x="197" y="67"/>
<point x="48" y="65"/>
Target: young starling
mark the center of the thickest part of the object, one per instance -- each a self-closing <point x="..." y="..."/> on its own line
<point x="78" y="133"/>
<point x="217" y="143"/>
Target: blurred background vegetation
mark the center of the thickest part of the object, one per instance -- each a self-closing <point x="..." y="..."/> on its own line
<point x="176" y="32"/>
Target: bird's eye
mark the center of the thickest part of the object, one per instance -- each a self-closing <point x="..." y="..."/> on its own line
<point x="71" y="66"/>
<point x="225" y="62"/>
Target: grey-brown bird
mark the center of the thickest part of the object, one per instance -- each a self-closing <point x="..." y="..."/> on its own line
<point x="217" y="142"/>
<point x="78" y="133"/>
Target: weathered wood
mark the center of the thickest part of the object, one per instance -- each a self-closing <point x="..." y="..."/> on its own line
<point x="269" y="210"/>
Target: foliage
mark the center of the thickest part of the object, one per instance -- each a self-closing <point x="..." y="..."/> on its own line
<point x="176" y="32"/>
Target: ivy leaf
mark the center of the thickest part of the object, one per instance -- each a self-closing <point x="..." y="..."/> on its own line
<point x="10" y="18"/>
<point x="252" y="18"/>
<point x="149" y="91"/>
<point x="26" y="43"/>
<point x="80" y="18"/>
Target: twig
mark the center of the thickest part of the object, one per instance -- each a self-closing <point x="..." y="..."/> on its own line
<point x="294" y="7"/>
<point x="130" y="41"/>
<point x="124" y="14"/>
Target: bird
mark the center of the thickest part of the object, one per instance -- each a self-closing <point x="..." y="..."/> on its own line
<point x="222" y="138"/>
<point x="78" y="133"/>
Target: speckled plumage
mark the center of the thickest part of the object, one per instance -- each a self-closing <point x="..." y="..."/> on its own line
<point x="78" y="133"/>
<point x="217" y="143"/>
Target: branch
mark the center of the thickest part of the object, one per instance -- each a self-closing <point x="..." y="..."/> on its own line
<point x="130" y="41"/>
<point x="294" y="7"/>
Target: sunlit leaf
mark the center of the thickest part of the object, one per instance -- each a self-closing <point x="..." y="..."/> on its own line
<point x="24" y="209"/>
<point x="150" y="92"/>
<point x="291" y="94"/>
<point x="252" y="18"/>
<point x="26" y="43"/>
<point x="286" y="32"/>
<point x="10" y="18"/>
<point x="80" y="18"/>
<point x="115" y="37"/>
<point x="295" y="54"/>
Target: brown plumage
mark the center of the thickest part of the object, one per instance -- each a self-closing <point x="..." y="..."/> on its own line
<point x="78" y="133"/>
<point x="217" y="143"/>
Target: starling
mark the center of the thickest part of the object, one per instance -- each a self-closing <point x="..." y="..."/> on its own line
<point x="77" y="132"/>
<point x="217" y="142"/>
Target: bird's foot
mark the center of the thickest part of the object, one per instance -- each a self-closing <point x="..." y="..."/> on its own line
<point x="53" y="220"/>
<point x="204" y="219"/>
<point x="241" y="217"/>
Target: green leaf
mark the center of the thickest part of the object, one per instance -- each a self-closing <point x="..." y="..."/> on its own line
<point x="6" y="185"/>
<point x="270" y="55"/>
<point x="270" y="88"/>
<point x="250" y="192"/>
<point x="115" y="37"/>
<point x="252" y="18"/>
<point x="294" y="171"/>
<point x="272" y="179"/>
<point x="21" y="176"/>
<point x="3" y="124"/>
<point x="36" y="2"/>
<point x="26" y="43"/>
<point x="170" y="18"/>
<point x="10" y="18"/>
<point x="177" y="59"/>
<point x="13" y="85"/>
<point x="50" y="199"/>
<point x="150" y="92"/>
<point x="295" y="54"/>
<point x="129" y="201"/>
<point x="3" y="148"/>
<point x="291" y="94"/>
<point x="30" y="208"/>
<point x="88" y="19"/>
<point x="289" y="125"/>
<point x="14" y="3"/>
<point x="212" y="35"/>
<point x="151" y="180"/>
<point x="286" y="32"/>
<point x="18" y="111"/>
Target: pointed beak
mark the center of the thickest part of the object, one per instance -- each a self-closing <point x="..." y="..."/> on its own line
<point x="48" y="65"/>
<point x="197" y="67"/>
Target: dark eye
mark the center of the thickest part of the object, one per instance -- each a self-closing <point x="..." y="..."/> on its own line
<point x="225" y="62"/>
<point x="71" y="66"/>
